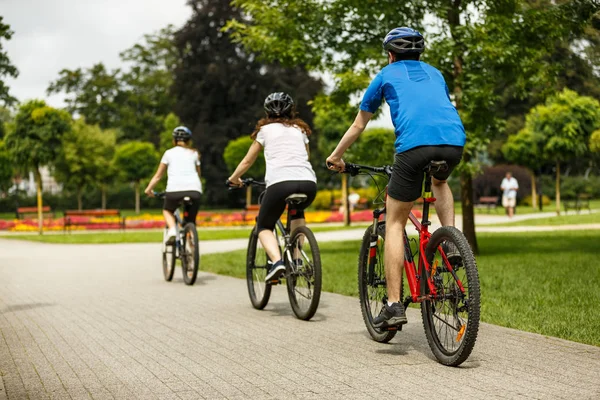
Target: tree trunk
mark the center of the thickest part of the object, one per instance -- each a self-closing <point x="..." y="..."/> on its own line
<point x="103" y="197"/>
<point x="40" y="202"/>
<point x="345" y="202"/>
<point x="248" y="195"/>
<point x="137" y="197"/>
<point x="557" y="188"/>
<point x="533" y="192"/>
<point x="79" y="200"/>
<point x="468" y="215"/>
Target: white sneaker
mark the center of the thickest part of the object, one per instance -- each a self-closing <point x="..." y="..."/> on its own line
<point x="170" y="237"/>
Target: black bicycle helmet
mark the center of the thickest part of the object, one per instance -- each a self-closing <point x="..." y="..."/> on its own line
<point x="279" y="104"/>
<point x="182" y="133"/>
<point x="404" y="40"/>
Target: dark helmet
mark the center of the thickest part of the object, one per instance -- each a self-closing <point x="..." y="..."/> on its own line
<point x="279" y="104"/>
<point x="404" y="40"/>
<point x="182" y="133"/>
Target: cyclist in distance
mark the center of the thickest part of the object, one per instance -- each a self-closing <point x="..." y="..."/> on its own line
<point x="284" y="138"/>
<point x="428" y="128"/>
<point x="182" y="164"/>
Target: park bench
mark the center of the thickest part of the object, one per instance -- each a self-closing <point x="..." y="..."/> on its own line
<point x="489" y="202"/>
<point x="582" y="201"/>
<point x="22" y="212"/>
<point x="70" y="219"/>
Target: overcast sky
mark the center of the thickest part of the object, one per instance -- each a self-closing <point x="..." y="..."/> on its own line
<point x="50" y="35"/>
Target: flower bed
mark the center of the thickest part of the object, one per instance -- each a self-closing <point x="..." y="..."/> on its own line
<point x="150" y="221"/>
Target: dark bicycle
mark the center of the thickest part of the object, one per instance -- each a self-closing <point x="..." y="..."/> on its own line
<point x="185" y="246"/>
<point x="448" y="289"/>
<point x="301" y="257"/>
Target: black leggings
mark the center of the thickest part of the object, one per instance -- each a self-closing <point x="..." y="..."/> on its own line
<point x="273" y="202"/>
<point x="174" y="199"/>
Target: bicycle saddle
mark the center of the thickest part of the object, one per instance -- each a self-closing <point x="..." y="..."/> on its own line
<point x="436" y="166"/>
<point x="296" y="198"/>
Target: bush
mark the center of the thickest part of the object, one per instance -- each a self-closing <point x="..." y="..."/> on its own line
<point x="571" y="186"/>
<point x="488" y="183"/>
<point x="527" y="201"/>
<point x="326" y="198"/>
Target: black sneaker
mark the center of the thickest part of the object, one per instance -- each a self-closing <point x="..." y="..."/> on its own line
<point x="452" y="253"/>
<point x="275" y="272"/>
<point x="393" y="315"/>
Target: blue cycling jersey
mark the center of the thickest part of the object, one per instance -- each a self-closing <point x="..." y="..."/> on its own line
<point x="420" y="105"/>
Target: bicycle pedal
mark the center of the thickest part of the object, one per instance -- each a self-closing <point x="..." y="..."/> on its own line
<point x="393" y="328"/>
<point x="274" y="282"/>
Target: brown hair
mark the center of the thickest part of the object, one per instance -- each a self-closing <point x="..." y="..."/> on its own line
<point x="294" y="121"/>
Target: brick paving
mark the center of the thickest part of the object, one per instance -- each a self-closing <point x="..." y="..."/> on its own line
<point x="99" y="322"/>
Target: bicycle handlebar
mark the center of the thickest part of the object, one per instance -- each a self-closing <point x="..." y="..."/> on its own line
<point x="245" y="182"/>
<point x="160" y="195"/>
<point x="355" y="169"/>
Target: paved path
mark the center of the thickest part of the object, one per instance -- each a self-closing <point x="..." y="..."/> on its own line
<point x="84" y="321"/>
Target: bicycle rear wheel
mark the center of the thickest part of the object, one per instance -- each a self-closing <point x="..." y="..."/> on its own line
<point x="168" y="261"/>
<point x="304" y="275"/>
<point x="190" y="255"/>
<point x="257" y="266"/>
<point x="451" y="319"/>
<point x="371" y="284"/>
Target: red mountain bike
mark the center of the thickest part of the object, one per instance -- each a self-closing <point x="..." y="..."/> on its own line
<point x="448" y="291"/>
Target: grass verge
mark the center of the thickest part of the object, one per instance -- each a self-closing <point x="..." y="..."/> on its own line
<point x="544" y="282"/>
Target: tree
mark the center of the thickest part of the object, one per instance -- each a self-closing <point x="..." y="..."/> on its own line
<point x="477" y="45"/>
<point x="136" y="161"/>
<point x="220" y="88"/>
<point x="561" y="129"/>
<point x="93" y="93"/>
<point x="166" y="137"/>
<point x="375" y="147"/>
<point x="6" y="68"/>
<point x="234" y="153"/>
<point x="36" y="140"/>
<point x="6" y="170"/>
<point x="85" y="157"/>
<point x="524" y="149"/>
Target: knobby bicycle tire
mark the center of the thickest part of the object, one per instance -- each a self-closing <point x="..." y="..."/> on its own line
<point x="304" y="301"/>
<point x="369" y="293"/>
<point x="436" y="313"/>
<point x="190" y="252"/>
<point x="256" y="270"/>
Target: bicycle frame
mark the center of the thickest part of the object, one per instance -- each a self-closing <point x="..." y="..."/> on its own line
<point x="414" y="274"/>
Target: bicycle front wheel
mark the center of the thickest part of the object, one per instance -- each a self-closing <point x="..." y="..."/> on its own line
<point x="451" y="316"/>
<point x="190" y="255"/>
<point x="372" y="285"/>
<point x="304" y="274"/>
<point x="257" y="266"/>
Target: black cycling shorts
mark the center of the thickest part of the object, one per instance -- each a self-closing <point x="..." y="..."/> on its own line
<point x="273" y="202"/>
<point x="406" y="183"/>
<point x="174" y="199"/>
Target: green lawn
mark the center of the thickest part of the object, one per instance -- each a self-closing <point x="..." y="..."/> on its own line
<point x="147" y="236"/>
<point x="544" y="282"/>
<point x="571" y="219"/>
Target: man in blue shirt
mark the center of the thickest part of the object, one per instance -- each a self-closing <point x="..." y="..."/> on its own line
<point x="427" y="128"/>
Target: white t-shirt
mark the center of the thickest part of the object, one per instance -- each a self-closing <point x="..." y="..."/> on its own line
<point x="181" y="165"/>
<point x="285" y="154"/>
<point x="507" y="185"/>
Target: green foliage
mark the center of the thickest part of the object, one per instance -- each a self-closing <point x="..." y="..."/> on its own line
<point x="6" y="169"/>
<point x="524" y="149"/>
<point x="166" y="136"/>
<point x="375" y="147"/>
<point x="527" y="201"/>
<point x="220" y="88"/>
<point x="37" y="135"/>
<point x="6" y="68"/>
<point x="595" y="142"/>
<point x="86" y="156"/>
<point x="564" y="125"/>
<point x="236" y="150"/>
<point x="135" y="161"/>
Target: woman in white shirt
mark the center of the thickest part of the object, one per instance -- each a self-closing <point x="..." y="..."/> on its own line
<point x="182" y="164"/>
<point x="284" y="138"/>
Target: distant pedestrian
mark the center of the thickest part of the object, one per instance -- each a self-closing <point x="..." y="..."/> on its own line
<point x="509" y="187"/>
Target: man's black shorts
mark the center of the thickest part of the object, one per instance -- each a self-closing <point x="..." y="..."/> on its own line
<point x="407" y="177"/>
